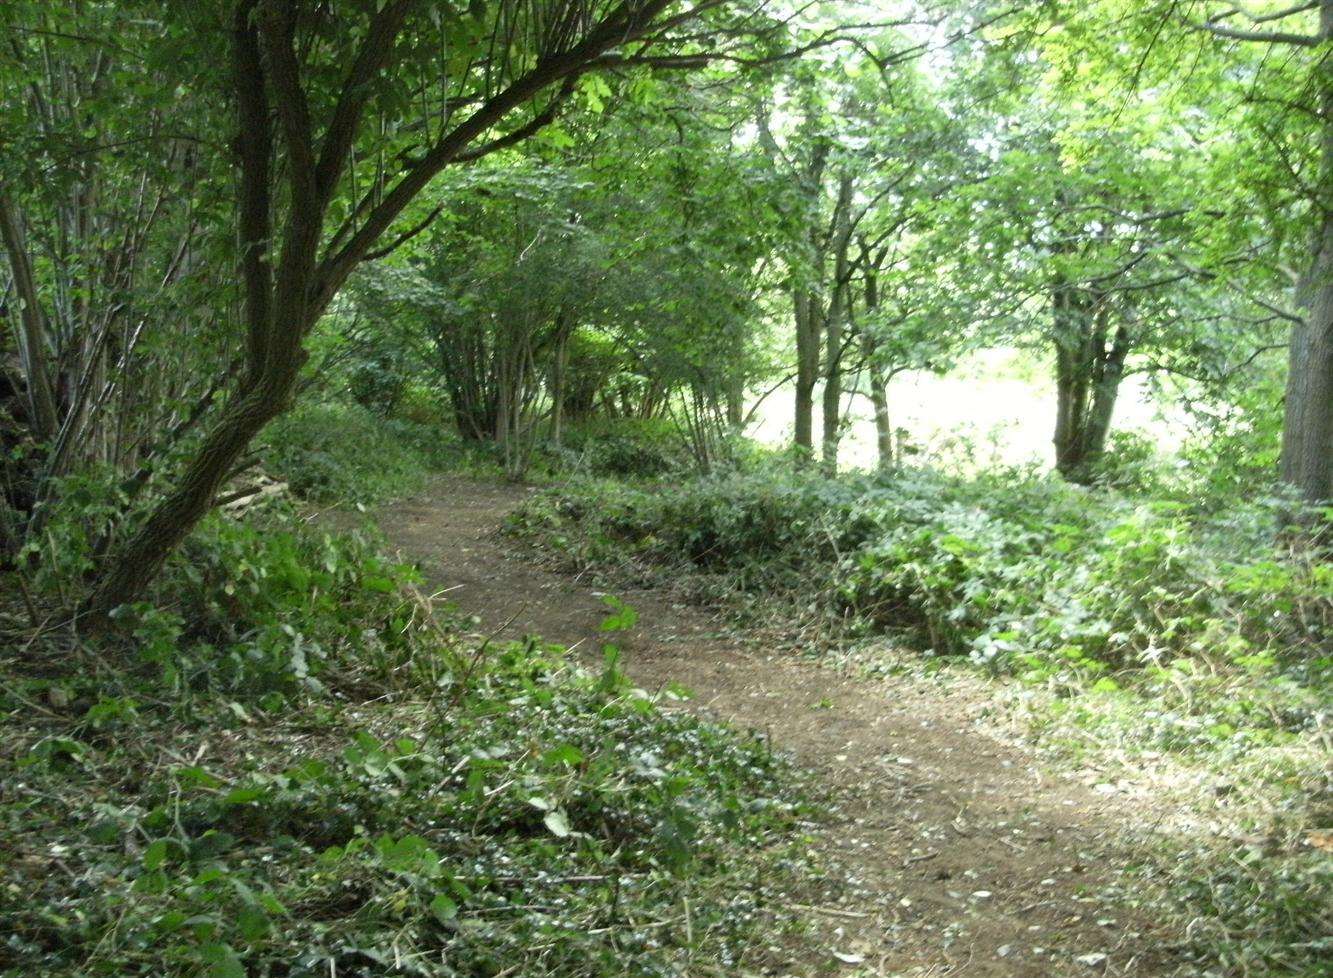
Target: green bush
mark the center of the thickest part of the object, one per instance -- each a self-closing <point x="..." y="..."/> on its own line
<point x="281" y="765"/>
<point x="347" y="453"/>
<point x="620" y="447"/>
<point x="276" y="608"/>
<point x="1022" y="574"/>
<point x="1148" y="628"/>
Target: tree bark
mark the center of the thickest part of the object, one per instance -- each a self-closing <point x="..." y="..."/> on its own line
<point x="736" y="403"/>
<point x="1307" y="428"/>
<point x="45" y="416"/>
<point x="1089" y="367"/>
<point x="832" y="407"/>
<point x="559" y="367"/>
<point x="879" y="400"/>
<point x="1108" y="373"/>
<point x="833" y="331"/>
<point x="141" y="558"/>
<point x="807" y="370"/>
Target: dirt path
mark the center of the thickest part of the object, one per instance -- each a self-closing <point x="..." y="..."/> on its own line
<point x="958" y="855"/>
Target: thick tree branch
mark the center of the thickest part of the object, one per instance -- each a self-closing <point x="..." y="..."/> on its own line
<point x="1262" y="37"/>
<point x="351" y="105"/>
<point x="625" y="24"/>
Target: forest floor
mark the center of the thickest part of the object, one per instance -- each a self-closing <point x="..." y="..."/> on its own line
<point x="950" y="849"/>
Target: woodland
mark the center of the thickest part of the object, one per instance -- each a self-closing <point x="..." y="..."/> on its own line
<point x="544" y="488"/>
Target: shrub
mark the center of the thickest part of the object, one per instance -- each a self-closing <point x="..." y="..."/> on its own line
<point x="346" y="453"/>
<point x="620" y="447"/>
<point x="283" y="767"/>
<point x="1022" y="574"/>
<point x="275" y="607"/>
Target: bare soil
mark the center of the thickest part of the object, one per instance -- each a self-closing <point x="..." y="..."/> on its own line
<point x="951" y="851"/>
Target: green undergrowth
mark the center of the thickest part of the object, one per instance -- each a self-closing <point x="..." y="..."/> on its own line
<point x="1114" y="627"/>
<point x="283" y="764"/>
<point x="1024" y="577"/>
<point x="344" y="452"/>
<point x="619" y="448"/>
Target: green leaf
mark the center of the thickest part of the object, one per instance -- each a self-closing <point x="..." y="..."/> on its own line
<point x="252" y="924"/>
<point x="563" y="754"/>
<point x="222" y="961"/>
<point x="443" y="907"/>
<point x="155" y="855"/>
<point x="623" y="617"/>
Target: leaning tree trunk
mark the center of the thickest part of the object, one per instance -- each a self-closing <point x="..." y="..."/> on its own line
<point x="1307" y="428"/>
<point x="142" y="557"/>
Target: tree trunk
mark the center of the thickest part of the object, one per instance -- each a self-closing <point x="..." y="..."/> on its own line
<point x="807" y="370"/>
<point x="1088" y="372"/>
<point x="1109" y="371"/>
<point x="279" y="311"/>
<point x="879" y="381"/>
<point x="1307" y="427"/>
<point x="837" y="314"/>
<point x="736" y="403"/>
<point x="1307" y="433"/>
<point x="879" y="399"/>
<point x="832" y="396"/>
<point x="559" y="367"/>
<point x="44" y="415"/>
<point x="141" y="558"/>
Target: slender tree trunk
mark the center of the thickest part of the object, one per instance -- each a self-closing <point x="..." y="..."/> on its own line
<point x="1307" y="428"/>
<point x="879" y="381"/>
<point x="504" y="399"/>
<point x="832" y="407"/>
<point x="1110" y="372"/>
<point x="1072" y="367"/>
<point x="833" y="331"/>
<point x="45" y="419"/>
<point x="736" y="403"/>
<point x="879" y="399"/>
<point x="558" y="368"/>
<point x="807" y="370"/>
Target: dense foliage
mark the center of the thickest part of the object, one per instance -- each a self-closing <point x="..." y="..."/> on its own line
<point x="1021" y="575"/>
<point x="373" y="790"/>
<point x="1145" y="628"/>
<point x="701" y="263"/>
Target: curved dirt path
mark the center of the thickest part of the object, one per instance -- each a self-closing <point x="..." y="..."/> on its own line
<point x="954" y="854"/>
